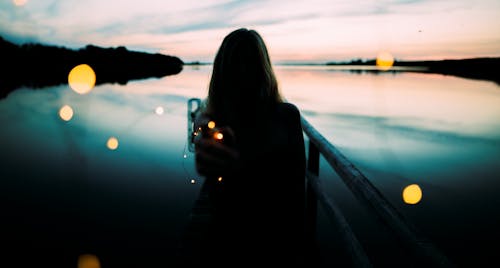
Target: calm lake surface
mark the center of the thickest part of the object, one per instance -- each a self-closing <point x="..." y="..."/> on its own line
<point x="64" y="193"/>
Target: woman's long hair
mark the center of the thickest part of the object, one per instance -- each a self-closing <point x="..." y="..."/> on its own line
<point x="243" y="84"/>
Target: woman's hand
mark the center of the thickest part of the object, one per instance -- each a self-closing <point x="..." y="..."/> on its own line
<point x="216" y="155"/>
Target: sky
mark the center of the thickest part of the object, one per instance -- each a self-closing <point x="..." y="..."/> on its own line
<point x="294" y="31"/>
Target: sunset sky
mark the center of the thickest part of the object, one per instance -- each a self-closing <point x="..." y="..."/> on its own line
<point x="316" y="31"/>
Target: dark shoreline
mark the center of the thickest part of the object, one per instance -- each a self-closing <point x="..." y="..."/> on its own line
<point x="472" y="68"/>
<point x="37" y="66"/>
<point x="476" y="68"/>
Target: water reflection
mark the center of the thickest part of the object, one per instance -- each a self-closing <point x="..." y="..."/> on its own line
<point x="19" y="2"/>
<point x="442" y="130"/>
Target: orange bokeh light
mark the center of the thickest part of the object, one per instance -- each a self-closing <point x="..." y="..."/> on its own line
<point x="82" y="79"/>
<point x="385" y="61"/>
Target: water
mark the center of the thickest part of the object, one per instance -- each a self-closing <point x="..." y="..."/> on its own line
<point x="65" y="191"/>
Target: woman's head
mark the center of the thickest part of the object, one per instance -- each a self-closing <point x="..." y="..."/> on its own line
<point x="243" y="79"/>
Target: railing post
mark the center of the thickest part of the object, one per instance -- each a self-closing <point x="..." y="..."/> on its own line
<point x="191" y="114"/>
<point x="311" y="197"/>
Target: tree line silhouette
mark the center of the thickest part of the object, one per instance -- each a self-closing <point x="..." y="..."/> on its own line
<point x="474" y="68"/>
<point x="36" y="65"/>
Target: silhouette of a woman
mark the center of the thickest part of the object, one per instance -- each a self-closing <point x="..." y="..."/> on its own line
<point x="255" y="170"/>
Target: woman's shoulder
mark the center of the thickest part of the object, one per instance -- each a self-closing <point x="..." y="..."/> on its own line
<point x="287" y="113"/>
<point x="288" y="110"/>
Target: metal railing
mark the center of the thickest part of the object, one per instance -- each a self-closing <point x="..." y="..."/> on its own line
<point x="369" y="196"/>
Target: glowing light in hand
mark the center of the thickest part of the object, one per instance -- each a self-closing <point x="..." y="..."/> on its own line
<point x="412" y="194"/>
<point x="66" y="113"/>
<point x="193" y="181"/>
<point x="112" y="143"/>
<point x="219" y="179"/>
<point x="82" y="79"/>
<point x="384" y="61"/>
<point x="211" y="124"/>
<point x="218" y="136"/>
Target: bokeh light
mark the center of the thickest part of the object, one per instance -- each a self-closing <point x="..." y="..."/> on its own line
<point x="218" y="136"/>
<point x="88" y="261"/>
<point x="384" y="61"/>
<point x="159" y="110"/>
<point x="66" y="113"/>
<point x="82" y="79"/>
<point x="219" y="179"/>
<point x="193" y="181"/>
<point x="211" y="124"/>
<point x="112" y="143"/>
<point x="412" y="194"/>
<point x="19" y="2"/>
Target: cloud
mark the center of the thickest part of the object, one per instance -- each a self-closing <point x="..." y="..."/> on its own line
<point x="293" y="29"/>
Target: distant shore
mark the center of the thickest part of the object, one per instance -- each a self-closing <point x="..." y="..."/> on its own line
<point x="472" y="68"/>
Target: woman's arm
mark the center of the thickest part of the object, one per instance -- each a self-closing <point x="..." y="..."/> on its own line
<point x="215" y="155"/>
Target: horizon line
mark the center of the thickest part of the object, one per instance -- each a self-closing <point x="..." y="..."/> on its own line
<point x="346" y="62"/>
